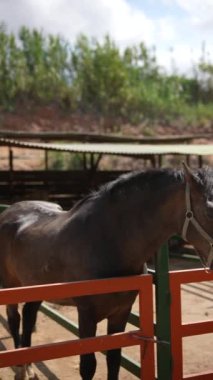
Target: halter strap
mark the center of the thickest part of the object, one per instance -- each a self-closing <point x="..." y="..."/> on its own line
<point x="189" y="217"/>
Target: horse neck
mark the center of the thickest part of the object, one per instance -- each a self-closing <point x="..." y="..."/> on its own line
<point x="167" y="219"/>
<point x="170" y="215"/>
<point x="153" y="220"/>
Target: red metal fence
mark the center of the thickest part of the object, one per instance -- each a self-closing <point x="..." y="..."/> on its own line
<point x="143" y="336"/>
<point x="179" y="329"/>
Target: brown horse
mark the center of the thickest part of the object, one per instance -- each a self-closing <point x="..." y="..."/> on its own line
<point x="112" y="232"/>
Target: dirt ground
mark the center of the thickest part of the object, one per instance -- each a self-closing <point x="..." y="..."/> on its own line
<point x="197" y="304"/>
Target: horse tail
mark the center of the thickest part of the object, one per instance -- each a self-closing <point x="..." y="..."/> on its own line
<point x="145" y="268"/>
<point x="3" y="207"/>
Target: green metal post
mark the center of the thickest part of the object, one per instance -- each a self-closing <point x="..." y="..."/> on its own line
<point x="164" y="358"/>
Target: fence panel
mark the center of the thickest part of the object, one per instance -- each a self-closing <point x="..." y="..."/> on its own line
<point x="143" y="337"/>
<point x="179" y="330"/>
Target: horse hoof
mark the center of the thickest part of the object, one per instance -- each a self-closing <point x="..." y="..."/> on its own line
<point x="31" y="375"/>
<point x="25" y="373"/>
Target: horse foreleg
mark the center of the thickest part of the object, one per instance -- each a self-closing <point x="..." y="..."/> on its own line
<point x="13" y="318"/>
<point x="116" y="324"/>
<point x="87" y="328"/>
<point x="29" y="315"/>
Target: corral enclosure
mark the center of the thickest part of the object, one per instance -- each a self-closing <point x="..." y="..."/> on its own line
<point x="196" y="354"/>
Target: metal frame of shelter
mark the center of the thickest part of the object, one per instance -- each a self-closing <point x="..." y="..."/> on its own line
<point x="97" y="149"/>
<point x="67" y="186"/>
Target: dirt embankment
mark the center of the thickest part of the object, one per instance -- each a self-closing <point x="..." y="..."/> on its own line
<point x="51" y="118"/>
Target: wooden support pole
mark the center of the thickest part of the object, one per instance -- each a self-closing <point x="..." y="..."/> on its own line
<point x="10" y="159"/>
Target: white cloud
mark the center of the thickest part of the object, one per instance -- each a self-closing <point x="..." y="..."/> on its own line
<point x="121" y="19"/>
<point x="166" y="29"/>
<point x="129" y="24"/>
<point x="200" y="12"/>
<point x="182" y="58"/>
<point x="70" y="17"/>
<point x="124" y="21"/>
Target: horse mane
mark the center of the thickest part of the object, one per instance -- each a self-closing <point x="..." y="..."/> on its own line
<point x="205" y="177"/>
<point x="155" y="178"/>
<point x="80" y="203"/>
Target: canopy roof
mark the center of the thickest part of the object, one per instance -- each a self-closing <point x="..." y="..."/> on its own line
<point x="119" y="149"/>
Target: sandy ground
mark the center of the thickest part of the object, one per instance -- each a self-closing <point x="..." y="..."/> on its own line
<point x="197" y="304"/>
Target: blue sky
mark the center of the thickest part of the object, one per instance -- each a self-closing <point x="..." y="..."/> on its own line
<point x="177" y="28"/>
<point x="155" y="9"/>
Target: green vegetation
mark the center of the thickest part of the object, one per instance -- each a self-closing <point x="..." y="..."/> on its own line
<point x="97" y="78"/>
<point x="65" y="161"/>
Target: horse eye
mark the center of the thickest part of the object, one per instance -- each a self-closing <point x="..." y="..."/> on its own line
<point x="210" y="208"/>
<point x="210" y="204"/>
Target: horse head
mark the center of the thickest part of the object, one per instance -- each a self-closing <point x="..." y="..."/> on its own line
<point x="198" y="224"/>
